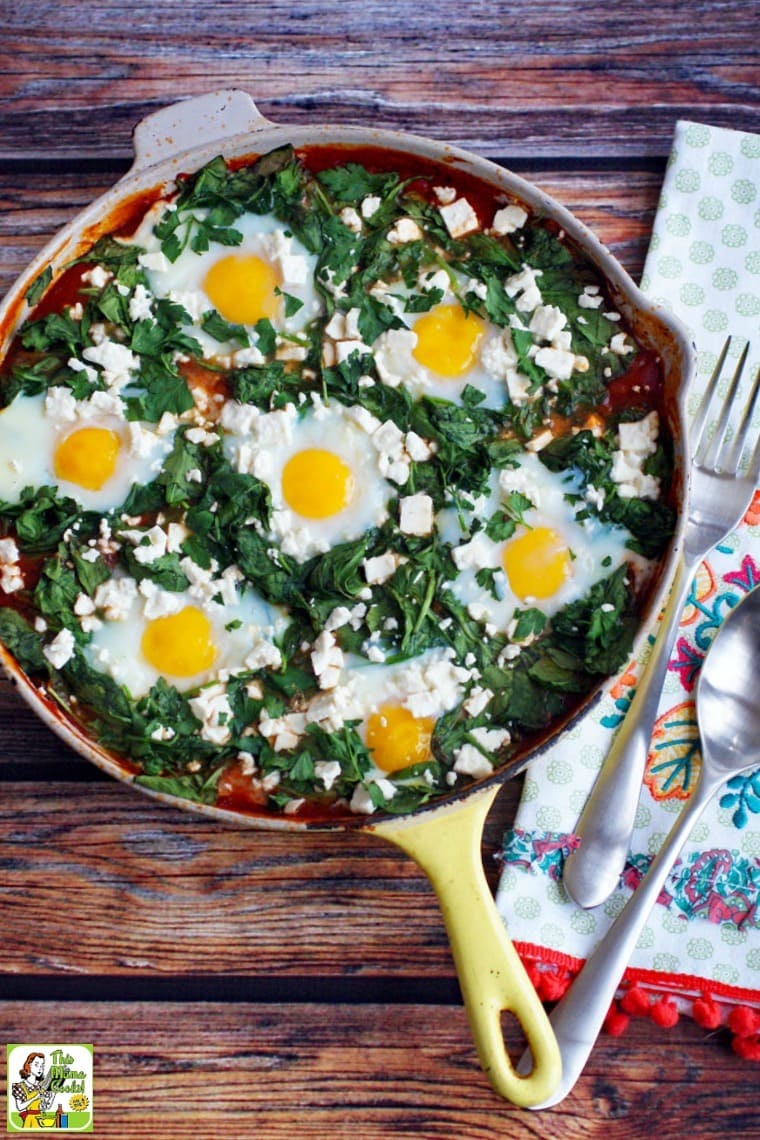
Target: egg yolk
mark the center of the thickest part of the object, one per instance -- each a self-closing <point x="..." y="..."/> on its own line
<point x="317" y="483"/>
<point x="241" y="287"/>
<point x="537" y="563"/>
<point x="397" y="739"/>
<point x="448" y="340"/>
<point x="180" y="644"/>
<point x="87" y="457"/>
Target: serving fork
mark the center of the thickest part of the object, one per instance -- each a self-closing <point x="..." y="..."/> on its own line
<point x="720" y="491"/>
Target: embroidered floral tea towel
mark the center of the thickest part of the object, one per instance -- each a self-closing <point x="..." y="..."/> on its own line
<point x="700" y="950"/>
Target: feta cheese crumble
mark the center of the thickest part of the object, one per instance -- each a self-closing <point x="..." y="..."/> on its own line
<point x="60" y="650"/>
<point x="508" y="219"/>
<point x="416" y="514"/>
<point x="636" y="442"/>
<point x="459" y="217"/>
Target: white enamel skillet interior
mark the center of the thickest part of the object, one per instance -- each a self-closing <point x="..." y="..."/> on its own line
<point x="444" y="838"/>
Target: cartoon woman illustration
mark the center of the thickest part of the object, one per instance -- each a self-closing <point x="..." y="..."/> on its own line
<point x="32" y="1093"/>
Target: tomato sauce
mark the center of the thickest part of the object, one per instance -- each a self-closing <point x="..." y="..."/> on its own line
<point x="127" y="216"/>
<point x="208" y="380"/>
<point x="425" y="173"/>
<point x="64" y="291"/>
<point x="237" y="792"/>
<point x="640" y="386"/>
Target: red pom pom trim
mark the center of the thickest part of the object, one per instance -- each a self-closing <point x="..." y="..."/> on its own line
<point x="635" y="1001"/>
<point x="551" y="977"/>
<point x="664" y="1013"/>
<point x="748" y="1048"/>
<point x="554" y="986"/>
<point x="743" y="1021"/>
<point x="616" y="1022"/>
<point x="534" y="975"/>
<point x="706" y="1012"/>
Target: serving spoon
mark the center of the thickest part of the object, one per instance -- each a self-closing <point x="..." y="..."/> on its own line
<point x="728" y="716"/>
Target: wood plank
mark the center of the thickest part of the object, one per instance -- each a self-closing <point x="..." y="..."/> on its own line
<point x="521" y="79"/>
<point x="377" y="1071"/>
<point x="148" y="888"/>
<point x="25" y="739"/>
<point x="617" y="205"/>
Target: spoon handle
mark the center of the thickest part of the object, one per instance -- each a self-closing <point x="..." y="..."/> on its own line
<point x="592" y="871"/>
<point x="579" y="1016"/>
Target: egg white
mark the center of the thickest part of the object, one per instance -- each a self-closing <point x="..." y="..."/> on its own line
<point x="263" y="444"/>
<point x="182" y="280"/>
<point x="29" y="435"/>
<point x="591" y="542"/>
<point x="116" y="646"/>
<point x="396" y="363"/>
<point x="427" y="685"/>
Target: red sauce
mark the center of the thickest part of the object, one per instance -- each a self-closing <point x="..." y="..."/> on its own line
<point x="30" y="566"/>
<point x="425" y="173"/>
<point x="237" y="792"/>
<point x="127" y="216"/>
<point x="210" y="381"/>
<point x="64" y="291"/>
<point x="641" y="385"/>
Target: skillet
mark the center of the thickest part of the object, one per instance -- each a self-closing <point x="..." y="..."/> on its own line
<point x="443" y="837"/>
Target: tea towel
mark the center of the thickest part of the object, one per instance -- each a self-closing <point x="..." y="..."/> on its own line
<point x="700" y="951"/>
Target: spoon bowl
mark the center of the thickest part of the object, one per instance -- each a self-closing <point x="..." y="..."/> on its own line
<point x="728" y="716"/>
<point x="728" y="710"/>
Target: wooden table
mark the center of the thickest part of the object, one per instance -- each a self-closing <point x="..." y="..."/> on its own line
<point x="258" y="985"/>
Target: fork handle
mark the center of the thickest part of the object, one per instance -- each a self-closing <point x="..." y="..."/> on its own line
<point x="592" y="871"/>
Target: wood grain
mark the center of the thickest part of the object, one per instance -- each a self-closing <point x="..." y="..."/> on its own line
<point x="618" y="206"/>
<point x="577" y="79"/>
<point x="150" y="888"/>
<point x="374" y="1071"/>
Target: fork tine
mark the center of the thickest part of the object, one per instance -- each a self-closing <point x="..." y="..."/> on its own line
<point x="712" y="448"/>
<point x="742" y="429"/>
<point x="754" y="465"/>
<point x="698" y="423"/>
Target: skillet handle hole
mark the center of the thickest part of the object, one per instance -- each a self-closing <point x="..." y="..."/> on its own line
<point x="516" y="1043"/>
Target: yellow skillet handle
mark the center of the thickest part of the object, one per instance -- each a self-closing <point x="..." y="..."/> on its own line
<point x="446" y="845"/>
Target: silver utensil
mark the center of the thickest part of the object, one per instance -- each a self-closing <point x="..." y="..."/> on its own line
<point x="728" y="716"/>
<point x="719" y="494"/>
